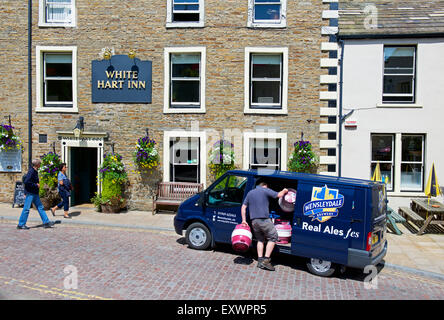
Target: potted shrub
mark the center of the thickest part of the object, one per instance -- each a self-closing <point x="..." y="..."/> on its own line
<point x="221" y="158"/>
<point x="48" y="171"/>
<point x="303" y="158"/>
<point x="113" y="177"/>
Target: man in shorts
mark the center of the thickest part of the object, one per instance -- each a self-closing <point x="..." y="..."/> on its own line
<point x="257" y="200"/>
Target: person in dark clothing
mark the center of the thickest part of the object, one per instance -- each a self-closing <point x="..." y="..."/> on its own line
<point x="257" y="200"/>
<point x="64" y="188"/>
<point x="31" y="182"/>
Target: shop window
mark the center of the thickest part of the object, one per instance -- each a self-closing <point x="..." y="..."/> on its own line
<point x="383" y="152"/>
<point x="267" y="13"/>
<point x="185" y="13"/>
<point x="266" y="80"/>
<point x="56" y="79"/>
<point x="412" y="163"/>
<point x="57" y="13"/>
<point x="399" y="74"/>
<point x="184" y="82"/>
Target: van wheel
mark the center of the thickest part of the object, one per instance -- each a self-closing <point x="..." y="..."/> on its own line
<point x="198" y="236"/>
<point x="320" y="267"/>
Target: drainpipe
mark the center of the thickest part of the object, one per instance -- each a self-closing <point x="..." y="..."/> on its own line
<point x="340" y="118"/>
<point x="30" y="82"/>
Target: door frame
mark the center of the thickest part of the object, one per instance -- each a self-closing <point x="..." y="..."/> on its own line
<point x="86" y="140"/>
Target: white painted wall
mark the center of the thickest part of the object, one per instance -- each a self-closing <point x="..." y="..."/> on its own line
<point x="363" y="84"/>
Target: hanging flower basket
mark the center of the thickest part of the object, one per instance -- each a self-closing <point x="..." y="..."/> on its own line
<point x="146" y="156"/>
<point x="303" y="159"/>
<point x="8" y="140"/>
<point x="48" y="172"/>
<point x="221" y="158"/>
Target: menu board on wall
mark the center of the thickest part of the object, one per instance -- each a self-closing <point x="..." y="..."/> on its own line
<point x="10" y="161"/>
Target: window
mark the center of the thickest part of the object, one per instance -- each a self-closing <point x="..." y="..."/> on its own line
<point x="228" y="192"/>
<point x="57" y="13"/>
<point x="185" y="13"/>
<point x="266" y="81"/>
<point x="185" y="161"/>
<point x="383" y="152"/>
<point x="267" y="13"/>
<point x="264" y="150"/>
<point x="56" y="79"/>
<point x="412" y="163"/>
<point x="184" y="80"/>
<point x="185" y="164"/>
<point x="399" y="74"/>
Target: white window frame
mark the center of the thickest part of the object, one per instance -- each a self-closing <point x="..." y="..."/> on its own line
<point x="413" y="94"/>
<point x="284" y="80"/>
<point x="44" y="23"/>
<point x="167" y="135"/>
<point x="167" y="78"/>
<point x="392" y="162"/>
<point x="40" y="69"/>
<point x="191" y="24"/>
<point x="265" y="135"/>
<point x="422" y="163"/>
<point x="282" y="23"/>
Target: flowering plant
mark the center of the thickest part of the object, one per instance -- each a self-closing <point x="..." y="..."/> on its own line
<point x="221" y="158"/>
<point x="303" y="159"/>
<point x="113" y="169"/>
<point x="48" y="172"/>
<point x="9" y="141"/>
<point x="146" y="155"/>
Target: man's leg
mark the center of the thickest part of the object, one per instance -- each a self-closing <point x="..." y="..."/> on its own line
<point x="25" y="211"/>
<point x="41" y="209"/>
<point x="269" y="249"/>
<point x="260" y="249"/>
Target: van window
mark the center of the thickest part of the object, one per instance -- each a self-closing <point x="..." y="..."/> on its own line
<point x="229" y="191"/>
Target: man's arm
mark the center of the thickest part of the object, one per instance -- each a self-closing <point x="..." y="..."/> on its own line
<point x="282" y="193"/>
<point x="244" y="214"/>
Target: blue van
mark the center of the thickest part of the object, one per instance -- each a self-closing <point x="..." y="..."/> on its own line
<point x="336" y="221"/>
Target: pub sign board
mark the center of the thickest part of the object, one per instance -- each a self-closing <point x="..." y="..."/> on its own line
<point x="121" y="80"/>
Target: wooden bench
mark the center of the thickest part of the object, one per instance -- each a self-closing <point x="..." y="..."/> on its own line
<point x="409" y="214"/>
<point x="392" y="218"/>
<point x="173" y="193"/>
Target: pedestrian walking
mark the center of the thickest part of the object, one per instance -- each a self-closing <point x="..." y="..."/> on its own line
<point x="64" y="187"/>
<point x="257" y="200"/>
<point x="31" y="182"/>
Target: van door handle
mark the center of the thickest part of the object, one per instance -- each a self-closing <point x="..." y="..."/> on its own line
<point x="355" y="220"/>
<point x="298" y="221"/>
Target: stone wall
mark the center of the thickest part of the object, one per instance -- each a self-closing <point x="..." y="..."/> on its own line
<point x="140" y="25"/>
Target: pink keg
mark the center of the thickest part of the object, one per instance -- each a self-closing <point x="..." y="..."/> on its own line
<point x="288" y="200"/>
<point x="241" y="238"/>
<point x="283" y="229"/>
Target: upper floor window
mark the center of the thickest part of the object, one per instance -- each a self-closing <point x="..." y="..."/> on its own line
<point x="399" y="74"/>
<point x="184" y="80"/>
<point x="56" y="79"/>
<point x="53" y="13"/>
<point x="185" y="13"/>
<point x="267" y="13"/>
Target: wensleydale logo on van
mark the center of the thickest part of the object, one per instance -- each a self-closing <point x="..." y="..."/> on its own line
<point x="324" y="204"/>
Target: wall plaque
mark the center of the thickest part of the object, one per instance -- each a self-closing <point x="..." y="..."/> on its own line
<point x="10" y="161"/>
<point x="121" y="80"/>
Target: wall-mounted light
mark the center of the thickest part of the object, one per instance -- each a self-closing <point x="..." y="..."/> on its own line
<point x="132" y="54"/>
<point x="107" y="53"/>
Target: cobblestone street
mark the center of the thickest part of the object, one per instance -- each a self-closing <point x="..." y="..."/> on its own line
<point x="118" y="263"/>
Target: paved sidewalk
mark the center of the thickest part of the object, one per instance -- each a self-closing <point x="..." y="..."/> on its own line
<point x="407" y="251"/>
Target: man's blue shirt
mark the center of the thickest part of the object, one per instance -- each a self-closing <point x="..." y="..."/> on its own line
<point x="257" y="201"/>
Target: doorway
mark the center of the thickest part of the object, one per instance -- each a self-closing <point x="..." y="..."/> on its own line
<point x="83" y="172"/>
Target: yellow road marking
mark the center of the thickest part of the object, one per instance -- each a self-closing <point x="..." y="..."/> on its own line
<point x="414" y="277"/>
<point x="47" y="290"/>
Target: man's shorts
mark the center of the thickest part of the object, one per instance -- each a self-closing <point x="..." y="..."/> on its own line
<point x="264" y="230"/>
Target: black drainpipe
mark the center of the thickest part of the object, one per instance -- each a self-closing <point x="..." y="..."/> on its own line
<point x="30" y="82"/>
<point x="340" y="120"/>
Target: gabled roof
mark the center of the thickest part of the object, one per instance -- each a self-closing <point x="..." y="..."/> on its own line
<point x="391" y="19"/>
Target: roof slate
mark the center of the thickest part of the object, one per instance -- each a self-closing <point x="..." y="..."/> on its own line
<point x="390" y="18"/>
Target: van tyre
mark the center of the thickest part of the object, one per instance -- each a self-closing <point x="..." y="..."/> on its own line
<point x="198" y="236"/>
<point x="321" y="267"/>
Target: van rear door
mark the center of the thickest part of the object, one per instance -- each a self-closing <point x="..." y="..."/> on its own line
<point x="376" y="234"/>
<point x="322" y="226"/>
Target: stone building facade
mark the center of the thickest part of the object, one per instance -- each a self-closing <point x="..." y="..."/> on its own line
<point x="225" y="36"/>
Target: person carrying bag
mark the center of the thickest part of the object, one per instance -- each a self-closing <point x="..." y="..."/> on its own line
<point x="64" y="187"/>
